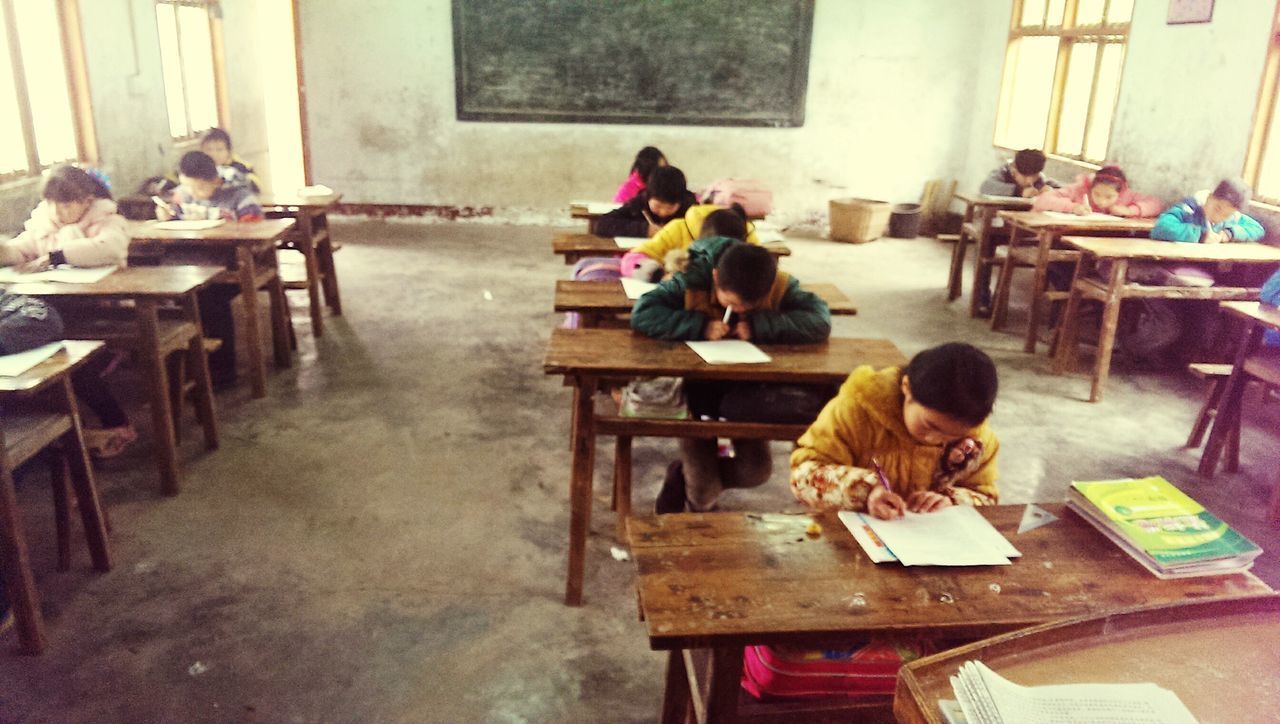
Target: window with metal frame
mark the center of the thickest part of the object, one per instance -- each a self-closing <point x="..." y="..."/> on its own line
<point x="45" y="114"/>
<point x="191" y="56"/>
<point x="1062" y="76"/>
<point x="1262" y="163"/>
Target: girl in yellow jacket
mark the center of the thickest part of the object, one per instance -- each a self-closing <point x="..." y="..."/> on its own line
<point x="923" y="424"/>
<point x="701" y="221"/>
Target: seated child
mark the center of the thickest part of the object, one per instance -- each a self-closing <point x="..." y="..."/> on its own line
<point x="665" y="197"/>
<point x="1105" y="192"/>
<point x="764" y="305"/>
<point x="924" y="424"/>
<point x="1215" y="217"/>
<point x="646" y="161"/>
<point x="1023" y="176"/>
<point x="699" y="221"/>
<point x="217" y="144"/>
<point x="204" y="194"/>
<point x="75" y="223"/>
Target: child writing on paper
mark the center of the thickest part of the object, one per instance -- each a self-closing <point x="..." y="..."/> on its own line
<point x="729" y="290"/>
<point x="1105" y="192"/>
<point x="1206" y="217"/>
<point x="1023" y="176"/>
<point x="648" y="159"/>
<point x="926" y="426"/>
<point x="665" y="197"/>
<point x="665" y="249"/>
<point x="75" y="223"/>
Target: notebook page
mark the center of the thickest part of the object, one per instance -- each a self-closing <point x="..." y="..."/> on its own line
<point x="729" y="352"/>
<point x="12" y="365"/>
<point x="983" y="529"/>
<point x="1068" y="216"/>
<point x="629" y="242"/>
<point x="871" y="545"/>
<point x="64" y="274"/>
<point x="943" y="538"/>
<point x="190" y="224"/>
<point x="1071" y="703"/>
<point x="636" y="288"/>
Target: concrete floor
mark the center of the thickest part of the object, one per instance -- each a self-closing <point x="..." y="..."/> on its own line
<point x="383" y="537"/>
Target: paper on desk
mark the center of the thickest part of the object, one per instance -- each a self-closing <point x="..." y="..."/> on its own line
<point x="871" y="544"/>
<point x="190" y="224"/>
<point x="954" y="536"/>
<point x="1091" y="216"/>
<point x="63" y="274"/>
<point x="767" y="233"/>
<point x="597" y="208"/>
<point x="629" y="242"/>
<point x="636" y="288"/>
<point x="729" y="352"/>
<point x="12" y="365"/>
<point x="316" y="190"/>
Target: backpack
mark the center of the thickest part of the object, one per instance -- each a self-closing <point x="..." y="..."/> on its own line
<point x="26" y="323"/>
<point x="754" y="197"/>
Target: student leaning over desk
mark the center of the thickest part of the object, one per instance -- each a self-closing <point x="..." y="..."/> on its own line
<point x="699" y="221"/>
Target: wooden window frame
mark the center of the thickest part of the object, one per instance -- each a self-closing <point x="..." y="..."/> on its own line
<point x="86" y="140"/>
<point x="1068" y="34"/>
<point x="218" y="50"/>
<point x="1263" y="113"/>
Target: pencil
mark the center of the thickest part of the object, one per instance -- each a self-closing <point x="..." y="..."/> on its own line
<point x="880" y="474"/>
<point x="727" y="312"/>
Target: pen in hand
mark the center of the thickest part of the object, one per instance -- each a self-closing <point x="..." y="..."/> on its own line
<point x="896" y="506"/>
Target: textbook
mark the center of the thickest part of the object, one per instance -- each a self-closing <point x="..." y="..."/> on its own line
<point x="1162" y="527"/>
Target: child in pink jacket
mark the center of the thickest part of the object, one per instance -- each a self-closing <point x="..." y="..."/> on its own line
<point x="646" y="161"/>
<point x="1105" y="192"/>
<point x="76" y="223"/>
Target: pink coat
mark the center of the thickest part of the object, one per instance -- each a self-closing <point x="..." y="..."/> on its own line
<point x="1066" y="198"/>
<point x="629" y="188"/>
<point x="99" y="238"/>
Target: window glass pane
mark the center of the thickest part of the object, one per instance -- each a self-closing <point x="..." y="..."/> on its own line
<point x="197" y="60"/>
<point x="1028" y="85"/>
<point x="1075" y="98"/>
<point x="1104" y="102"/>
<point x="172" y="67"/>
<point x="1032" y="13"/>
<point x="1119" y="11"/>
<point x="1269" y="168"/>
<point x="46" y="74"/>
<point x="13" y="149"/>
<point x="1089" y="12"/>
<point x="1056" y="8"/>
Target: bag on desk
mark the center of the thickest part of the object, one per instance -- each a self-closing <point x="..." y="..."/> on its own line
<point x="660" y="397"/>
<point x="870" y="670"/>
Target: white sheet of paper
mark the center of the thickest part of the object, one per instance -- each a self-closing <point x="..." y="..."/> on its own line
<point x="316" y="190"/>
<point x="729" y="352"/>
<point x="190" y="224"/>
<point x="998" y="197"/>
<point x="636" y="288"/>
<point x="63" y="274"/>
<point x="629" y="242"/>
<point x="598" y="208"/>
<point x="12" y="365"/>
<point x="871" y="545"/>
<point x="1092" y="216"/>
<point x="952" y="536"/>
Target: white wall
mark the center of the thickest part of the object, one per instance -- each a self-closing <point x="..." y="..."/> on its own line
<point x="890" y="90"/>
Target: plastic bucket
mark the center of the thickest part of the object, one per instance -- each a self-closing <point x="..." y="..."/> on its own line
<point x="904" y="221"/>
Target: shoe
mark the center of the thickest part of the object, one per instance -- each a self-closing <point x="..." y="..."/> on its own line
<point x="108" y="443"/>
<point x="671" y="499"/>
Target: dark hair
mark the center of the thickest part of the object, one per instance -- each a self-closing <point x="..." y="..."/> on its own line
<point x="216" y="134"/>
<point x="67" y="183"/>
<point x="1029" y="161"/>
<point x="1234" y="192"/>
<point x="646" y="160"/>
<point x="199" y="165"/>
<point x="746" y="270"/>
<point x="730" y="222"/>
<point x="667" y="183"/>
<point x="956" y="379"/>
<point x="1110" y="175"/>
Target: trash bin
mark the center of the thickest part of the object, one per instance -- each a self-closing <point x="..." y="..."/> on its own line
<point x="904" y="221"/>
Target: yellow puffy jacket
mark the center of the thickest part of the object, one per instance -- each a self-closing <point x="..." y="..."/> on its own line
<point x="680" y="233"/>
<point x="865" y="420"/>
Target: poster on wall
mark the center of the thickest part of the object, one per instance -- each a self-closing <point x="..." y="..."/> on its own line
<point x="1182" y="12"/>
<point x="674" y="62"/>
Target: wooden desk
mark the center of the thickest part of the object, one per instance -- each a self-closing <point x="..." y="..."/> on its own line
<point x="579" y="246"/>
<point x="1120" y="252"/>
<point x="582" y="211"/>
<point x="1220" y="657"/>
<point x="1249" y="362"/>
<point x="979" y="217"/>
<point x="150" y="336"/>
<point x="598" y="301"/>
<point x="727" y="580"/>
<point x="247" y="250"/>
<point x="22" y="436"/>
<point x="584" y="356"/>
<point x="1043" y="232"/>
<point x="312" y="240"/>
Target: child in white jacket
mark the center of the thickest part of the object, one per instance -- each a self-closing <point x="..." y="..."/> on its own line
<point x="76" y="223"/>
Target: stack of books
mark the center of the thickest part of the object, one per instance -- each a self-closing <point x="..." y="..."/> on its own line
<point x="1162" y="528"/>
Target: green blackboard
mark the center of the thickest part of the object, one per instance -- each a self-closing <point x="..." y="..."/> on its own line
<point x="676" y="62"/>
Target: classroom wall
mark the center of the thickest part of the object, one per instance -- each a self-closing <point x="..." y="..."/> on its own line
<point x="889" y="91"/>
<point x="245" y="88"/>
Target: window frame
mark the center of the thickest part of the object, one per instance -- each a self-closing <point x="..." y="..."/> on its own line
<point x="77" y="86"/>
<point x="1068" y="34"/>
<point x="217" y="58"/>
<point x="1264" y="114"/>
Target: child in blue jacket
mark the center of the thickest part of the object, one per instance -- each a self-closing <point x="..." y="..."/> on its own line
<point x="1271" y="295"/>
<point x="1212" y="218"/>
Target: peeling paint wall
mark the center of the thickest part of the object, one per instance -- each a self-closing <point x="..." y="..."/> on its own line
<point x="889" y="92"/>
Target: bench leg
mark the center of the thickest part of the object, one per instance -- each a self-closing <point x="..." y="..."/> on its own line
<point x="676" y="696"/>
<point x="955" y="279"/>
<point x="252" y="330"/>
<point x="328" y="269"/>
<point x="584" y="445"/>
<point x="166" y="444"/>
<point x="92" y="517"/>
<point x="177" y="381"/>
<point x="19" y="583"/>
<point x="58" y="475"/>
<point x="1000" y="305"/>
<point x="1107" y="335"/>
<point x="1207" y="412"/>
<point x="622" y="485"/>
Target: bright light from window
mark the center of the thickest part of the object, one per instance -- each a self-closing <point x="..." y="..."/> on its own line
<point x="1269" y="170"/>
<point x="1089" y="12"/>
<point x="1028" y="88"/>
<point x="171" y="63"/>
<point x="1119" y="11"/>
<point x="1105" y="96"/>
<point x="1032" y="13"/>
<point x="197" y="67"/>
<point x="13" y="149"/>
<point x="46" y="73"/>
<point x="1075" y="98"/>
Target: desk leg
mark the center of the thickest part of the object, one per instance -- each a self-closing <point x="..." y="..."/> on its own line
<point x="982" y="264"/>
<point x="676" y="697"/>
<point x="19" y="582"/>
<point x="198" y="365"/>
<point x="622" y="485"/>
<point x="726" y="680"/>
<point x="1064" y="351"/>
<point x="253" y="335"/>
<point x="158" y="379"/>
<point x="76" y="454"/>
<point x="307" y="245"/>
<point x="283" y="341"/>
<point x="1000" y="305"/>
<point x="955" y="279"/>
<point x="328" y="270"/>
<point x="584" y="447"/>
<point x="1038" y="284"/>
<point x="1107" y="335"/>
<point x="1228" y="418"/>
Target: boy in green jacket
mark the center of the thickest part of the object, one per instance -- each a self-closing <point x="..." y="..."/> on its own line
<point x="729" y="290"/>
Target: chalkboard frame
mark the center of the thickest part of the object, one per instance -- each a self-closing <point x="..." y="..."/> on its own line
<point x="801" y="38"/>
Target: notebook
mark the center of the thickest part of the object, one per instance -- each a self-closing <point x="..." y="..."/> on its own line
<point x="636" y="288"/>
<point x="190" y="224"/>
<point x="729" y="352"/>
<point x="63" y="274"/>
<point x="1092" y="216"/>
<point x="954" y="536"/>
<point x="13" y="365"/>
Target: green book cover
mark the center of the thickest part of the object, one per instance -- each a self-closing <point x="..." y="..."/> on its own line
<point x="1163" y="521"/>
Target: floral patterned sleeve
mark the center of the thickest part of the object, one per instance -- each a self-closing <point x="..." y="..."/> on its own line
<point x="827" y="486"/>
